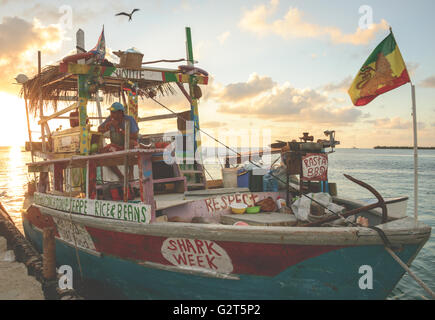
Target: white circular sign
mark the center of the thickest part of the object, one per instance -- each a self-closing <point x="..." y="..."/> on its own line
<point x="196" y="253"/>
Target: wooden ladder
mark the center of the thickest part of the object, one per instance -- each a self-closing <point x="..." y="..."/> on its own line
<point x="195" y="176"/>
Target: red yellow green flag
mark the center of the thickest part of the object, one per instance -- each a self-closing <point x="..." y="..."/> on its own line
<point x="384" y="70"/>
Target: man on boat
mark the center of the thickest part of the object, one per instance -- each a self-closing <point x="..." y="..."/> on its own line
<point x="115" y="123"/>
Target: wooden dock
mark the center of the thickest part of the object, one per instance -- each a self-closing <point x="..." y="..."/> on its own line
<point x="21" y="268"/>
<point x="15" y="283"/>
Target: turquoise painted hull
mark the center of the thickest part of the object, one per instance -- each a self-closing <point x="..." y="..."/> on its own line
<point x="332" y="275"/>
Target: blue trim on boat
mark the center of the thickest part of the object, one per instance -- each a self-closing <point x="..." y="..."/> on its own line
<point x="333" y="275"/>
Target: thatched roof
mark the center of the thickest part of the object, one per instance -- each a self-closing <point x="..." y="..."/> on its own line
<point x="54" y="85"/>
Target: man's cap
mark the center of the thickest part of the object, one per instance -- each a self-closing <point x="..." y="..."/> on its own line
<point x="116" y="106"/>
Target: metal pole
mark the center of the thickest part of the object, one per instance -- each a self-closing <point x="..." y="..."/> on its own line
<point x="414" y="123"/>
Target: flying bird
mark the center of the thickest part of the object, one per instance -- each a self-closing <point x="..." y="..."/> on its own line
<point x="126" y="14"/>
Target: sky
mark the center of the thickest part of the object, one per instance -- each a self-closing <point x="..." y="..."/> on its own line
<point x="277" y="65"/>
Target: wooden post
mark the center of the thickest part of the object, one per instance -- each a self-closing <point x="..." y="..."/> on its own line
<point x="146" y="182"/>
<point x="133" y="104"/>
<point x="87" y="179"/>
<point x="194" y="114"/>
<point x="126" y="147"/>
<point x="80" y="44"/>
<point x="41" y="112"/>
<point x="100" y="115"/>
<point x="83" y="96"/>
<point x="49" y="254"/>
<point x="28" y="123"/>
<point x="58" y="177"/>
<point x="92" y="179"/>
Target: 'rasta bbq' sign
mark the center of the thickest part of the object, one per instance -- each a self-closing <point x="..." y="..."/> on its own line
<point x="195" y="253"/>
<point x="315" y="167"/>
<point x="133" y="212"/>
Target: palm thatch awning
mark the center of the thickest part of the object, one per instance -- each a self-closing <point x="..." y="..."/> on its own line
<point x="55" y="86"/>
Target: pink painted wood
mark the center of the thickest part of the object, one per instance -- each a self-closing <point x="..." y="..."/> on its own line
<point x="146" y="182"/>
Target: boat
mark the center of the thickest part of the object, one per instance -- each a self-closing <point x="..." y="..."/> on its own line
<point x="169" y="233"/>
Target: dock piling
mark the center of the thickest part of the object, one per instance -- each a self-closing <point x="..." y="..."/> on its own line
<point x="49" y="254"/>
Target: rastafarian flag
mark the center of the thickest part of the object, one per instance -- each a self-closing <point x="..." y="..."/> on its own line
<point x="384" y="70"/>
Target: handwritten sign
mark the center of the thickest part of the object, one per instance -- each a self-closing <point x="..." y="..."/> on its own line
<point x="137" y="74"/>
<point x="315" y="167"/>
<point x="133" y="212"/>
<point x="74" y="234"/>
<point x="223" y="202"/>
<point x="195" y="253"/>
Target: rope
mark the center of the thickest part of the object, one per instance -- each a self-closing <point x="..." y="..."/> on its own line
<point x="404" y="266"/>
<point x="208" y="173"/>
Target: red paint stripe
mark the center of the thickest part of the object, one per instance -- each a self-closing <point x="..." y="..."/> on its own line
<point x="397" y="82"/>
<point x="247" y="258"/>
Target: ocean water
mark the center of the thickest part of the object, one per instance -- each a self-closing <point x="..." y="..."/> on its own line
<point x="391" y="172"/>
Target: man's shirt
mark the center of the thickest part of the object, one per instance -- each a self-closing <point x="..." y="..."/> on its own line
<point x="117" y="137"/>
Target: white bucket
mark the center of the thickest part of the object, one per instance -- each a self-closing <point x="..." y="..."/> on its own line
<point x="229" y="177"/>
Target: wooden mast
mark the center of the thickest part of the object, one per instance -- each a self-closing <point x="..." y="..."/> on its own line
<point x="194" y="101"/>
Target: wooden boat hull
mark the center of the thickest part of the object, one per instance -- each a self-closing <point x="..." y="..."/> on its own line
<point x="199" y="261"/>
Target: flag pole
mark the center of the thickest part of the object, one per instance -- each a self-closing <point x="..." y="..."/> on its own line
<point x="414" y="124"/>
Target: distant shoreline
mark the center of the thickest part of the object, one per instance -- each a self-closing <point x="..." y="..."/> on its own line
<point x="398" y="147"/>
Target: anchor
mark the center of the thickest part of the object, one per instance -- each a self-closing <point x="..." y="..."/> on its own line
<point x="381" y="203"/>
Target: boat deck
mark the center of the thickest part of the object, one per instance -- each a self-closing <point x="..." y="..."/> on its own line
<point x="164" y="201"/>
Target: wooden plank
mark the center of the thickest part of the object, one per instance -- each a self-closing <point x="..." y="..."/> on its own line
<point x="91" y="118"/>
<point x="210" y="192"/>
<point x="56" y="114"/>
<point x="169" y="180"/>
<point x="159" y="117"/>
<point x="101" y="156"/>
<point x="158" y="75"/>
<point x="261" y="219"/>
<point x="57" y="80"/>
<point x="70" y="98"/>
<point x="398" y="234"/>
<point x="39" y="168"/>
<point x="146" y="179"/>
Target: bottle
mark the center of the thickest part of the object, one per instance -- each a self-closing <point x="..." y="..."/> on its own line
<point x="280" y="202"/>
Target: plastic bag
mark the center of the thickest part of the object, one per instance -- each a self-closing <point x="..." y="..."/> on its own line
<point x="301" y="207"/>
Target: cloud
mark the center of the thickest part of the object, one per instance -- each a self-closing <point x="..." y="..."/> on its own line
<point x="343" y="85"/>
<point x="242" y="90"/>
<point x="337" y="116"/>
<point x="292" y="25"/>
<point x="261" y="97"/>
<point x="213" y="124"/>
<point x="412" y="67"/>
<point x="223" y="37"/>
<point x="387" y="123"/>
<point x="428" y="82"/>
<point x="19" y="41"/>
<point x="81" y="12"/>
